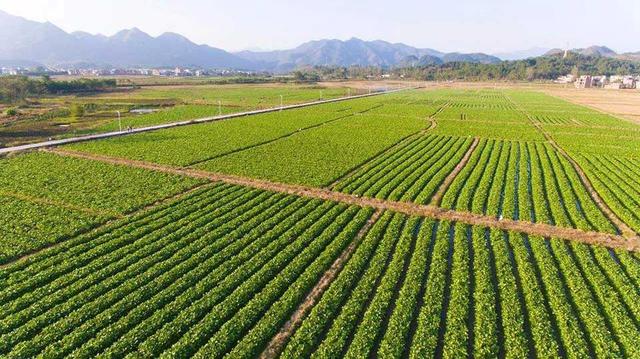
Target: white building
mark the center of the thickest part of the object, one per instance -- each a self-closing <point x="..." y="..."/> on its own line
<point x="584" y="82"/>
<point x="629" y="82"/>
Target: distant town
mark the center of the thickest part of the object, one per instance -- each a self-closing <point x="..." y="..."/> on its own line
<point x="615" y="82"/>
<point x="95" y="72"/>
<point x="582" y="81"/>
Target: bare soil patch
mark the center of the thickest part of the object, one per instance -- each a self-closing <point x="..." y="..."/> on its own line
<point x="620" y="103"/>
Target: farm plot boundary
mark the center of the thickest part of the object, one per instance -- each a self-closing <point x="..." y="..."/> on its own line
<point x="539" y="229"/>
<point x="622" y="226"/>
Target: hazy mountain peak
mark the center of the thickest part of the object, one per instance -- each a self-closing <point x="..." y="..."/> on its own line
<point x="45" y="43"/>
<point x="593" y="51"/>
<point x="22" y="39"/>
<point x="132" y="34"/>
<point x="172" y="36"/>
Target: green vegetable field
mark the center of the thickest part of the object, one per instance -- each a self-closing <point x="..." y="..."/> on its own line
<point x="448" y="223"/>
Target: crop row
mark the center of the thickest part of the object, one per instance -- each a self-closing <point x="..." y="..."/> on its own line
<point x="197" y="274"/>
<point x="412" y="171"/>
<point x="419" y="288"/>
<point x="524" y="182"/>
<point x="616" y="180"/>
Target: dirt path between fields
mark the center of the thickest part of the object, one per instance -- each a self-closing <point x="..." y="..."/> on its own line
<point x="435" y="201"/>
<point x="626" y="231"/>
<point x="279" y="340"/>
<point x="537" y="229"/>
<point x="432" y="118"/>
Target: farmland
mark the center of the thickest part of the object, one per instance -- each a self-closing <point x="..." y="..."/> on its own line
<point x="65" y="116"/>
<point x="423" y="223"/>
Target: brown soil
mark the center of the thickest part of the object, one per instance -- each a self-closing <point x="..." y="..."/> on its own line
<point x="620" y="103"/>
<point x="538" y="229"/>
<point x="279" y="340"/>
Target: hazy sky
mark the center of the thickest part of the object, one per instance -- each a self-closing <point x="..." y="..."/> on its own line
<point x="450" y="25"/>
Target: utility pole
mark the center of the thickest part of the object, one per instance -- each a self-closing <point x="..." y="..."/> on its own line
<point x="119" y="121"/>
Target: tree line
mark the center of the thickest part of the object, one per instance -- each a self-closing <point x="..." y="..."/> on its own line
<point x="533" y="69"/>
<point x="14" y="89"/>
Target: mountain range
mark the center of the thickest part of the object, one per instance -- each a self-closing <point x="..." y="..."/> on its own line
<point x="598" y="51"/>
<point x="27" y="43"/>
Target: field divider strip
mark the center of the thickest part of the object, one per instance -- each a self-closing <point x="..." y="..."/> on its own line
<point x="65" y="141"/>
<point x="626" y="231"/>
<point x="437" y="198"/>
<point x="538" y="229"/>
<point x="432" y="118"/>
<point x="276" y="344"/>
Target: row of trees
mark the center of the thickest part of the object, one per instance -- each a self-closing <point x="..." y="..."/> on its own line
<point x="14" y="89"/>
<point x="540" y="68"/>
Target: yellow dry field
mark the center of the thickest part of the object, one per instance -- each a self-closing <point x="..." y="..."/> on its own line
<point x="621" y="103"/>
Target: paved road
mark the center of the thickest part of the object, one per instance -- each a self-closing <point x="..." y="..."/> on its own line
<point x="65" y="141"/>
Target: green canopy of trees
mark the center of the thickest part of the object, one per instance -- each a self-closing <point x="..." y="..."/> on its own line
<point x="539" y="68"/>
<point x="14" y="89"/>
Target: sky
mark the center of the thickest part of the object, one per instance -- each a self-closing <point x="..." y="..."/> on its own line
<point x="488" y="26"/>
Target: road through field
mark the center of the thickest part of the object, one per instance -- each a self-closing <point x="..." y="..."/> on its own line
<point x="538" y="229"/>
<point x="65" y="141"/>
